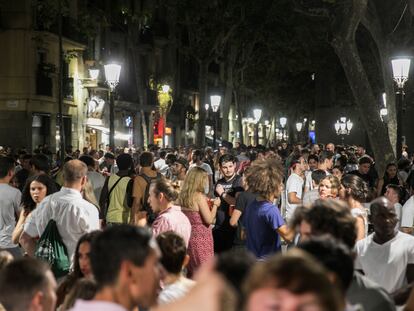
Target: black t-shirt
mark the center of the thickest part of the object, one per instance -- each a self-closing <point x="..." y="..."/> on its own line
<point x="231" y="187"/>
<point x="244" y="199"/>
<point x="370" y="180"/>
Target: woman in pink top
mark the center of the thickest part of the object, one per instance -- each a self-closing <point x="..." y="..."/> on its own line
<point x="162" y="194"/>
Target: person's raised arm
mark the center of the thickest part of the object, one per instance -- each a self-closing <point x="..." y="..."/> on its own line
<point x="224" y="196"/>
<point x="206" y="214"/>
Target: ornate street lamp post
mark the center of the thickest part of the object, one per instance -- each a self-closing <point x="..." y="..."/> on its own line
<point x="343" y="127"/>
<point x="257" y="114"/>
<point x="215" y="104"/>
<point x="112" y="72"/>
<point x="283" y="122"/>
<point x="400" y="70"/>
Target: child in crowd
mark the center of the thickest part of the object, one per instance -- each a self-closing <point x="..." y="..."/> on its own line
<point x="174" y="259"/>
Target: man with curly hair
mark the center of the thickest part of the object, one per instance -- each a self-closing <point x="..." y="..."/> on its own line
<point x="262" y="219"/>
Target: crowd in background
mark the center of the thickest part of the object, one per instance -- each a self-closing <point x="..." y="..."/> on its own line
<point x="289" y="227"/>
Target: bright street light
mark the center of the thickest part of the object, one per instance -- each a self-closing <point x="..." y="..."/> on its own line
<point x="112" y="72"/>
<point x="343" y="127"/>
<point x="400" y="69"/>
<point x="282" y="122"/>
<point x="299" y="126"/>
<point x="94" y="73"/>
<point x="215" y="102"/>
<point x="165" y="88"/>
<point x="257" y="114"/>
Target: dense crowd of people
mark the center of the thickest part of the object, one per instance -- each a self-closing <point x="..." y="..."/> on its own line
<point x="254" y="228"/>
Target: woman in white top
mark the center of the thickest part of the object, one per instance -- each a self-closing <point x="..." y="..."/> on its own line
<point x="354" y="191"/>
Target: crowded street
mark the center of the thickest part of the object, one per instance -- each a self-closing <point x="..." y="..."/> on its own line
<point x="183" y="155"/>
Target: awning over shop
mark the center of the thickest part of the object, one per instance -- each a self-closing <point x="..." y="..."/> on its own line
<point x="105" y="130"/>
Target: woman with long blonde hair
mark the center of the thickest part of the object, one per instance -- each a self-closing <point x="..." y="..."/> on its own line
<point x="194" y="204"/>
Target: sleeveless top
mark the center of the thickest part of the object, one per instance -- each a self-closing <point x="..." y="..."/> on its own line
<point x="361" y="212"/>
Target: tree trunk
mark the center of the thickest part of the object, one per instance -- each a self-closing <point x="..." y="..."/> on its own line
<point x="383" y="44"/>
<point x="389" y="90"/>
<point x="228" y="94"/>
<point x="202" y="88"/>
<point x="348" y="55"/>
<point x="139" y="82"/>
<point x="240" y="117"/>
<point x="144" y="128"/>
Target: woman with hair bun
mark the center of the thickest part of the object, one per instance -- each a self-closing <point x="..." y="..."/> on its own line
<point x="354" y="191"/>
<point x="162" y="196"/>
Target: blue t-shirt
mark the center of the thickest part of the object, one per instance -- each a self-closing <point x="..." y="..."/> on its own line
<point x="261" y="220"/>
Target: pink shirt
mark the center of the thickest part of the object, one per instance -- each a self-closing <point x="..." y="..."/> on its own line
<point x="172" y="219"/>
<point x="95" y="305"/>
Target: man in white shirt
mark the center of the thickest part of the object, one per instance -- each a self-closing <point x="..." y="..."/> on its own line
<point x="326" y="160"/>
<point x="394" y="193"/>
<point x="294" y="186"/>
<point x="9" y="206"/>
<point x="160" y="165"/>
<point x="74" y="216"/>
<point x="387" y="255"/>
<point x="311" y="196"/>
<point x="407" y="216"/>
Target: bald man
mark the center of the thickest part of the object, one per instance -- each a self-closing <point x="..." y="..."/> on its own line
<point x="74" y="215"/>
<point x="330" y="147"/>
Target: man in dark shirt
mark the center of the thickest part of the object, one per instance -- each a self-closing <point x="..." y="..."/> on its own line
<point x="226" y="188"/>
<point x="364" y="166"/>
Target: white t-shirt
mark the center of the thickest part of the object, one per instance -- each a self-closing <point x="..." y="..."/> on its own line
<point x="308" y="181"/>
<point x="310" y="197"/>
<point x="204" y="166"/>
<point x="293" y="184"/>
<point x="407" y="216"/>
<point x="97" y="180"/>
<point x="398" y="210"/>
<point x="9" y="207"/>
<point x="175" y="290"/>
<point x="161" y="166"/>
<point x="386" y="264"/>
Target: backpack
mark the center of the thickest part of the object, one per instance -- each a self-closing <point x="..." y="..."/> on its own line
<point x="50" y="248"/>
<point x="144" y="203"/>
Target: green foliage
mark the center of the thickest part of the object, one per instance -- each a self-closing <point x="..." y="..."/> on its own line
<point x="47" y="12"/>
